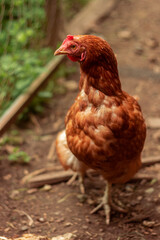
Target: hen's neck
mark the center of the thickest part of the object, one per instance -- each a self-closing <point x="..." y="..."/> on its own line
<point x="104" y="79"/>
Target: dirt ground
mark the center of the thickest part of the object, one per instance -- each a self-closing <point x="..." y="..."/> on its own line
<point x="133" y="32"/>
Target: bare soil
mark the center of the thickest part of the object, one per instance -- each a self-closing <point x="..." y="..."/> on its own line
<point x="133" y="32"/>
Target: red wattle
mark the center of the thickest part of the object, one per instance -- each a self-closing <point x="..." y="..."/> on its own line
<point x="74" y="59"/>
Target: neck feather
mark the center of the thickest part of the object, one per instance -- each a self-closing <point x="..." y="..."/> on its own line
<point x="101" y="78"/>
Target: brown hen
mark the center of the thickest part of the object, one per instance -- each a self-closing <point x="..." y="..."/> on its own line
<point x="105" y="129"/>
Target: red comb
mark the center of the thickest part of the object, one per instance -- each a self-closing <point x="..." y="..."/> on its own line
<point x="69" y="37"/>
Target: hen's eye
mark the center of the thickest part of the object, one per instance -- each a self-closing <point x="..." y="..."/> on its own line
<point x="73" y="46"/>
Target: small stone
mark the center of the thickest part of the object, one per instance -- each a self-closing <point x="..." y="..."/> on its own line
<point x="7" y="177"/>
<point x="134" y="202"/>
<point x="24" y="228"/>
<point x="14" y="194"/>
<point x="60" y="220"/>
<point x="71" y="85"/>
<point x="148" y="223"/>
<point x="154" y="234"/>
<point x="88" y="220"/>
<point x="129" y="188"/>
<point x="57" y="213"/>
<point x="67" y="236"/>
<point x="51" y="220"/>
<point x="85" y="227"/>
<point x="125" y="34"/>
<point x="139" y="198"/>
<point x="156" y="69"/>
<point x="43" y="238"/>
<point x="153" y="59"/>
<point x="82" y="198"/>
<point x="149" y="190"/>
<point x="68" y="224"/>
<point x="90" y="201"/>
<point x="138" y="49"/>
<point x="152" y="43"/>
<point x="32" y="190"/>
<point x="41" y="220"/>
<point x="46" y="187"/>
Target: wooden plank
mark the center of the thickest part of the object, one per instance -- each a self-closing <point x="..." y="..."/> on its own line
<point x="151" y="160"/>
<point x="39" y="178"/>
<point x="12" y="112"/>
<point x="50" y="178"/>
<point x="86" y="19"/>
<point x="81" y="24"/>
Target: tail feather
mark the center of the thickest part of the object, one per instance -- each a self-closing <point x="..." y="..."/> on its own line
<point x="66" y="157"/>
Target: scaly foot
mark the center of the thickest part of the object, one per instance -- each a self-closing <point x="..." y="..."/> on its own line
<point x="107" y="204"/>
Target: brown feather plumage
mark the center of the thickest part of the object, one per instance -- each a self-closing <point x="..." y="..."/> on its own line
<point x="105" y="128"/>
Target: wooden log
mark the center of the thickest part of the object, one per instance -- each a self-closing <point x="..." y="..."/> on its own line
<point x="55" y="175"/>
<point x="86" y="19"/>
<point x="90" y="15"/>
<point x="151" y="160"/>
<point x="50" y="178"/>
<point x="141" y="176"/>
<point x="22" y="101"/>
<point x="37" y="172"/>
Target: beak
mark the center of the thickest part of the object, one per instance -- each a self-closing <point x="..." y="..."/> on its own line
<point x="60" y="51"/>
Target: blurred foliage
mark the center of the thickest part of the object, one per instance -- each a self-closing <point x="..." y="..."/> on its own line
<point x="21" y="24"/>
<point x="22" y="55"/>
<point x="18" y="156"/>
<point x="18" y="70"/>
<point x="10" y="144"/>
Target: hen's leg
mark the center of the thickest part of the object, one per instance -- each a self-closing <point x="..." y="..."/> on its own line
<point x="80" y="176"/>
<point x="105" y="203"/>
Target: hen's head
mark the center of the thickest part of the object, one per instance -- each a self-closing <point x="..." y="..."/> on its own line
<point x="86" y="48"/>
<point x="73" y="48"/>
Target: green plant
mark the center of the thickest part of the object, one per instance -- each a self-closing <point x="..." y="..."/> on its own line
<point x="22" y="57"/>
<point x="19" y="156"/>
<point x="18" y="71"/>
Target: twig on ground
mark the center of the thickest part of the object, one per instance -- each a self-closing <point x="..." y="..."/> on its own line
<point x="26" y="178"/>
<point x="36" y="123"/>
<point x="52" y="151"/>
<point x="30" y="220"/>
<point x="151" y="160"/>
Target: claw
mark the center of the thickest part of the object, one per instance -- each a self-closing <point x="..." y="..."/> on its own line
<point x="107" y="204"/>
